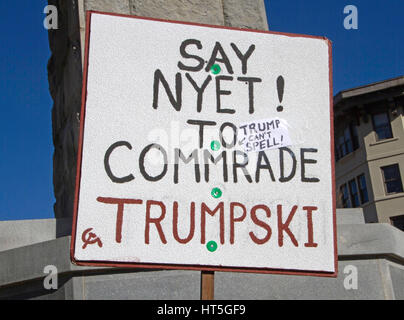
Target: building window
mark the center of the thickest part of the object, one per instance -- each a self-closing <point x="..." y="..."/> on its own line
<point x="382" y="126"/>
<point x="398" y="222"/>
<point x="355" y="139"/>
<point x="392" y="179"/>
<point x="346" y="203"/>
<point x="347" y="142"/>
<point x="353" y="191"/>
<point x="363" y="191"/>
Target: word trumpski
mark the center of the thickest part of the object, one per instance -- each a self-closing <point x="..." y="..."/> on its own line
<point x="260" y="215"/>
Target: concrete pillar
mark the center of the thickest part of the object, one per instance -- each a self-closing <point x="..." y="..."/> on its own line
<point x="65" y="81"/>
<point x="65" y="65"/>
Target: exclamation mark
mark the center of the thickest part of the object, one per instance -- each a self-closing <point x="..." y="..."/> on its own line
<point x="280" y="85"/>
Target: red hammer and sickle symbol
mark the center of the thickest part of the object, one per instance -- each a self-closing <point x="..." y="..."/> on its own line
<point x="91" y="238"/>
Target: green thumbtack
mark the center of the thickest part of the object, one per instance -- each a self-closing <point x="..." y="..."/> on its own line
<point x="215" y="69"/>
<point x="211" y="246"/>
<point x="216" y="193"/>
<point x="215" y="145"/>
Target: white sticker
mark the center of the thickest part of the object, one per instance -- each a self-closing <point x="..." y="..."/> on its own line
<point x="264" y="134"/>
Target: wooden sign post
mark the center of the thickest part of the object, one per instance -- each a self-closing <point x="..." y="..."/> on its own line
<point x="204" y="148"/>
<point x="207" y="285"/>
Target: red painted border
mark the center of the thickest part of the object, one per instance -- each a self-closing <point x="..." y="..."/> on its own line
<point x="194" y="267"/>
<point x="334" y="203"/>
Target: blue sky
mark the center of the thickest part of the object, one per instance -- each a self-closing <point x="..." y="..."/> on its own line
<point x="26" y="190"/>
<point x="369" y="54"/>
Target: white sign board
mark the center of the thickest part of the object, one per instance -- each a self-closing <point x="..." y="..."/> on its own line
<point x="204" y="148"/>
